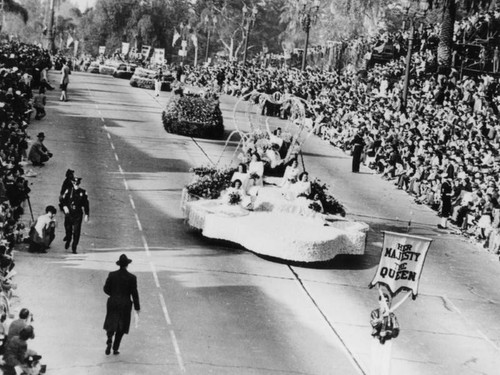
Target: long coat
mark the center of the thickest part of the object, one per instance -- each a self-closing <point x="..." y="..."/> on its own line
<point x="121" y="287"/>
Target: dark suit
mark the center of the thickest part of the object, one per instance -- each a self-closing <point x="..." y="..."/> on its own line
<point x="77" y="202"/>
<point x="121" y="287"/>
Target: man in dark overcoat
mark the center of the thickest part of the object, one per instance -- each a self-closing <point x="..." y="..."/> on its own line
<point x="357" y="144"/>
<point x="121" y="287"/>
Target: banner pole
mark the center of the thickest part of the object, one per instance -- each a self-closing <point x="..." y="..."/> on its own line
<point x="400" y="302"/>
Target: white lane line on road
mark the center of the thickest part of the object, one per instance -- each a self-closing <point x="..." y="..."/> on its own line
<point x="132" y="203"/>
<point x="139" y="225"/>
<point x="155" y="275"/>
<point x="486" y="338"/>
<point x="146" y="249"/>
<point x="177" y="351"/>
<point x="164" y="308"/>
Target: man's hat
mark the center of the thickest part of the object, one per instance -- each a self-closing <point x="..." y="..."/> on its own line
<point x="41" y="135"/>
<point x="77" y="180"/>
<point x="123" y="261"/>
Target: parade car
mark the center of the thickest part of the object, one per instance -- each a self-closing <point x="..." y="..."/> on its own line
<point x="125" y="71"/>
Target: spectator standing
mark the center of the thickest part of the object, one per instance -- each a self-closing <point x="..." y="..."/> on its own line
<point x="446" y="194"/>
<point x="39" y="102"/>
<point x="357" y="149"/>
<point x="496" y="60"/>
<point x="158" y="78"/>
<point x="121" y="287"/>
<point x="75" y="206"/>
<point x="65" y="72"/>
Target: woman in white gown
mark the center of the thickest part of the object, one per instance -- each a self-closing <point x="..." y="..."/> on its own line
<point x="256" y="169"/>
<point x="242" y="175"/>
<point x="290" y="175"/>
<point x="230" y="197"/>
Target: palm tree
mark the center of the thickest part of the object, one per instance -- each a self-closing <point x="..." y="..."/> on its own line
<point x="10" y="6"/>
<point x="445" y="47"/>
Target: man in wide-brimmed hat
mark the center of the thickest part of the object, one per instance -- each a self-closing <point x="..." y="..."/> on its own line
<point x="121" y="287"/>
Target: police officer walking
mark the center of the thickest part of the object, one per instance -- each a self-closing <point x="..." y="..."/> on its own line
<point x="75" y="204"/>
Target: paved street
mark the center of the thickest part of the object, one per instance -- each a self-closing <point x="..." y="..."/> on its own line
<point x="213" y="308"/>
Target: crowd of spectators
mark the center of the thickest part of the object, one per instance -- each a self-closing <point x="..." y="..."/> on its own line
<point x="448" y="132"/>
<point x="23" y="68"/>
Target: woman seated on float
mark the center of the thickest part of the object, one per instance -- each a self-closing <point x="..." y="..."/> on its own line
<point x="242" y="175"/>
<point x="273" y="157"/>
<point x="291" y="174"/>
<point x="256" y="169"/>
<point x="236" y="195"/>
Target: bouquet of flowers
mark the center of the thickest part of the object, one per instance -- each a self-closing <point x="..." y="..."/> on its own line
<point x="254" y="176"/>
<point x="330" y="204"/>
<point x="315" y="206"/>
<point x="234" y="198"/>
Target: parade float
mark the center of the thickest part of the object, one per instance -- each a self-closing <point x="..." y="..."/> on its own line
<point x="193" y="114"/>
<point x="265" y="214"/>
<point x="145" y="79"/>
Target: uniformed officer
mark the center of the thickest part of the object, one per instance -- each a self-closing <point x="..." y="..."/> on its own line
<point x="75" y="205"/>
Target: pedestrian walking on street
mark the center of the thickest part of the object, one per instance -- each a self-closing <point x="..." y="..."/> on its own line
<point x="76" y="208"/>
<point x="121" y="287"/>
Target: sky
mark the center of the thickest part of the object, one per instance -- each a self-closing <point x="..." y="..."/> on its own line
<point x="84" y="4"/>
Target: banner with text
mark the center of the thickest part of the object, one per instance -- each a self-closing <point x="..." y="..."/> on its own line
<point x="401" y="262"/>
<point x="159" y="55"/>
<point x="145" y="51"/>
<point x="125" y="48"/>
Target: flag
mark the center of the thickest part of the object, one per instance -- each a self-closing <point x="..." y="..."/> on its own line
<point x="194" y="38"/>
<point x="176" y="37"/>
<point x="69" y="41"/>
<point x="75" y="50"/>
<point x="401" y="262"/>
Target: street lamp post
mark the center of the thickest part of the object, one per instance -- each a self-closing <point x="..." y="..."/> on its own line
<point x="249" y="20"/>
<point x="308" y="16"/>
<point x="423" y="6"/>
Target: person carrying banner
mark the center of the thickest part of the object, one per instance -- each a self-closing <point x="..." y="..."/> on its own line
<point x="384" y="322"/>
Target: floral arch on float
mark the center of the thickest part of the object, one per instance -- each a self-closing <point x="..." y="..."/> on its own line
<point x="264" y="199"/>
